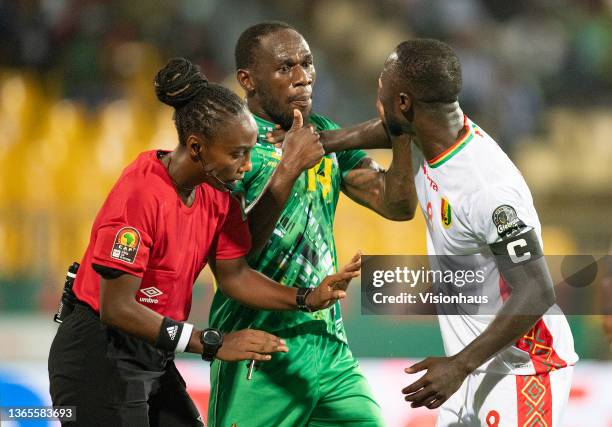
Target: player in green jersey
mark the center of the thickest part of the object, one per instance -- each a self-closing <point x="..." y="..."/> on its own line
<point x="293" y="193"/>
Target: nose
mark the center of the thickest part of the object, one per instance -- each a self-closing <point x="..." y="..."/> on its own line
<point x="246" y="165"/>
<point x="301" y="77"/>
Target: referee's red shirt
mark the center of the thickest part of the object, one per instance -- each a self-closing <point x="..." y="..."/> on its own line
<point x="144" y="229"/>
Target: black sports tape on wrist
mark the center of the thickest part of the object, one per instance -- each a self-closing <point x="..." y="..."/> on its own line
<point x="169" y="334"/>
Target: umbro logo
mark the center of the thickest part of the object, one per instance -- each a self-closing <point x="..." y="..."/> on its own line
<point x="151" y="291"/>
<point x="172" y="332"/>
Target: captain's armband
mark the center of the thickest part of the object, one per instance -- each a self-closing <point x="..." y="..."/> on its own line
<point x="519" y="249"/>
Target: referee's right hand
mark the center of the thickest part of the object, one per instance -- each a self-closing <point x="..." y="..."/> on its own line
<point x="250" y="344"/>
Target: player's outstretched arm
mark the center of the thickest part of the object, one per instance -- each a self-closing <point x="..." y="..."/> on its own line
<point x="301" y="150"/>
<point x="524" y="269"/>
<point x="365" y="136"/>
<point x="118" y="308"/>
<point x="389" y="193"/>
<point x="251" y="288"/>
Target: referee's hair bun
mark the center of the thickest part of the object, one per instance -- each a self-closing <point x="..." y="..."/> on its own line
<point x="179" y="82"/>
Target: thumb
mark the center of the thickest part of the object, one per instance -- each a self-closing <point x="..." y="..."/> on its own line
<point x="298" y="121"/>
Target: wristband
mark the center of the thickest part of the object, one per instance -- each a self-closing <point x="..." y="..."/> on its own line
<point x="183" y="342"/>
<point x="173" y="336"/>
<point x="300" y="299"/>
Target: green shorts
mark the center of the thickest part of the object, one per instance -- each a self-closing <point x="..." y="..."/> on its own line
<point x="318" y="383"/>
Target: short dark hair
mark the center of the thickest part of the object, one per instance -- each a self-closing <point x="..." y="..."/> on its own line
<point x="429" y="69"/>
<point x="199" y="106"/>
<point x="246" y="46"/>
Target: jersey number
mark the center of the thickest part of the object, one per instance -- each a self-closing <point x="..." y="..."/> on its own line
<point x="325" y="179"/>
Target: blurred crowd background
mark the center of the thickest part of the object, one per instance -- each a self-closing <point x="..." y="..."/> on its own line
<point x="77" y="104"/>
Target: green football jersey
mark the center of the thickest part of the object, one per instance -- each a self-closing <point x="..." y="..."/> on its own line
<point x="301" y="250"/>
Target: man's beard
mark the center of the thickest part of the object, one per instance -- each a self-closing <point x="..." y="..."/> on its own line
<point x="395" y="128"/>
<point x="279" y="116"/>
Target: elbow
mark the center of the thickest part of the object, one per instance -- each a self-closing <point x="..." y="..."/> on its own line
<point x="406" y="215"/>
<point x="399" y="212"/>
<point x="398" y="207"/>
<point x="400" y="217"/>
<point x="111" y="314"/>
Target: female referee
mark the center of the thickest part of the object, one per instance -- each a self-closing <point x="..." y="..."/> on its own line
<point x="167" y="216"/>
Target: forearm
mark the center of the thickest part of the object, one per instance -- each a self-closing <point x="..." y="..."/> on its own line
<point x="399" y="196"/>
<point x="139" y="321"/>
<point x="519" y="313"/>
<point x="366" y="135"/>
<point x="264" y="214"/>
<point x="254" y="290"/>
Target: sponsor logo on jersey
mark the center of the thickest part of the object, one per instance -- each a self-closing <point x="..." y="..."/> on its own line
<point x="126" y="244"/>
<point x="446" y="213"/>
<point x="151" y="292"/>
<point x="506" y="221"/>
<point x="432" y="183"/>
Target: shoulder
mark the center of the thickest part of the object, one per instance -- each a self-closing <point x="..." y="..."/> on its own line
<point x="488" y="168"/>
<point x="497" y="210"/>
<point x="143" y="180"/>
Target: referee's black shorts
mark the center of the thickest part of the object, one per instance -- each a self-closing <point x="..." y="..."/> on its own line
<point x="114" y="379"/>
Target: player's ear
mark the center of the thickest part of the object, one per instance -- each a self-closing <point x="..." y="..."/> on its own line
<point x="245" y="80"/>
<point x="405" y="106"/>
<point x="405" y="102"/>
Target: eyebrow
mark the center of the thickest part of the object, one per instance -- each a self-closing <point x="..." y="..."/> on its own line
<point x="291" y="60"/>
<point x="242" y="146"/>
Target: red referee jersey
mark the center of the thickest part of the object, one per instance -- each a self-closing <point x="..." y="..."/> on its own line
<point x="144" y="229"/>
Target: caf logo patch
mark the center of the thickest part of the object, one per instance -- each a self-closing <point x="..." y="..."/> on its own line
<point x="506" y="220"/>
<point x="446" y="213"/>
<point x="126" y="244"/>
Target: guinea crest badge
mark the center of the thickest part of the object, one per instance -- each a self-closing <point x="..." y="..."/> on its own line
<point x="446" y="213"/>
<point x="125" y="246"/>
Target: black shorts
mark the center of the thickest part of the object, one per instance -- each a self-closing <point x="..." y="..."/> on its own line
<point x="115" y="379"/>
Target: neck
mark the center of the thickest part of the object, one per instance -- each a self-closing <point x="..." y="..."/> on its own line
<point x="256" y="108"/>
<point x="438" y="129"/>
<point x="183" y="181"/>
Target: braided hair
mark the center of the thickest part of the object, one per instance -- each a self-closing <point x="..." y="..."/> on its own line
<point x="200" y="106"/>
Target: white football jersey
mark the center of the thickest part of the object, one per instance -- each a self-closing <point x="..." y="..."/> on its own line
<point x="472" y="195"/>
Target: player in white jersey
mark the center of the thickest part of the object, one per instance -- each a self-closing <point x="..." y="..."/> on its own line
<point x="512" y="367"/>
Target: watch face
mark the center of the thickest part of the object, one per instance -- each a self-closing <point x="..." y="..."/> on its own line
<point x="211" y="337"/>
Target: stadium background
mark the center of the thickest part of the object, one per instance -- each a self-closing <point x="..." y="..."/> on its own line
<point x="77" y="105"/>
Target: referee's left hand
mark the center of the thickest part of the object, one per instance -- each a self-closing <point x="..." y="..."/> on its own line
<point x="443" y="378"/>
<point x="333" y="287"/>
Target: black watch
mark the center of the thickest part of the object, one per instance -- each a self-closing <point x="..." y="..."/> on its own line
<point x="211" y="340"/>
<point x="300" y="299"/>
